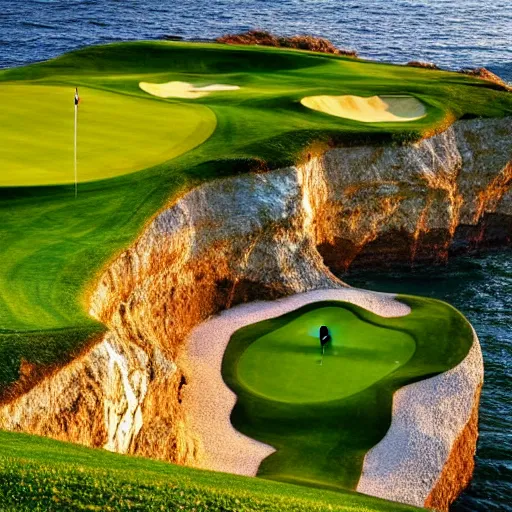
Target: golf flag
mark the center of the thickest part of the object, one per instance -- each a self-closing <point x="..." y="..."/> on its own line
<point x="77" y="101"/>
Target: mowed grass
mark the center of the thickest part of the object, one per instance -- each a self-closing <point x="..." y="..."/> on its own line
<point x="323" y="443"/>
<point x="54" y="246"/>
<point x="117" y="134"/>
<point x="38" y="474"/>
<point x="286" y="364"/>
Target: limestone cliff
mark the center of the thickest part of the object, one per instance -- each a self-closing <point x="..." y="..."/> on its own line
<point x="262" y="236"/>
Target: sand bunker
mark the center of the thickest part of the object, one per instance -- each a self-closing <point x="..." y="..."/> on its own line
<point x="403" y="466"/>
<point x="376" y="109"/>
<point x="183" y="89"/>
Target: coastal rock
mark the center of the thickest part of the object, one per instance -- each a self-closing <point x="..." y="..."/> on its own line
<point x="487" y="75"/>
<point x="299" y="42"/>
<point x="421" y="64"/>
<point x="264" y="236"/>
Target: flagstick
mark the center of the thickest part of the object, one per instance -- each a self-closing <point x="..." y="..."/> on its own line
<point x="322" y="360"/>
<point x="76" y="122"/>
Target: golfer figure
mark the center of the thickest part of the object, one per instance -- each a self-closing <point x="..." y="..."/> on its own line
<point x="325" y="337"/>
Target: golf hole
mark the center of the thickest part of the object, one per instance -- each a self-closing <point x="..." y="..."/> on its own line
<point x="286" y="364"/>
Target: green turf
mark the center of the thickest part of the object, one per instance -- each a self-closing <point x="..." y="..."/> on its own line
<point x="117" y="134"/>
<point x="53" y="246"/>
<point x="38" y="474"/>
<point x="286" y="364"/>
<point x="323" y="443"/>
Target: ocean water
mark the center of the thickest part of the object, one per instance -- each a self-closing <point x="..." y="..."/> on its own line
<point x="451" y="33"/>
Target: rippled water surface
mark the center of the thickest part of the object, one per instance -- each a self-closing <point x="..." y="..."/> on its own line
<point x="452" y="33"/>
<point x="482" y="289"/>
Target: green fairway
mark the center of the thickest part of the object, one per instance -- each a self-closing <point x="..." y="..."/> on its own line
<point x="346" y="403"/>
<point x="117" y="134"/>
<point x="284" y="365"/>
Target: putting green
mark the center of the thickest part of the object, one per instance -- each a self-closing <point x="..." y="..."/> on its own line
<point x="117" y="134"/>
<point x="322" y="420"/>
<point x="284" y="364"/>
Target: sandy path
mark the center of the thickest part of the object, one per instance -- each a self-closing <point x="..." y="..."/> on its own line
<point x="210" y="402"/>
<point x="428" y="417"/>
<point x="376" y="109"/>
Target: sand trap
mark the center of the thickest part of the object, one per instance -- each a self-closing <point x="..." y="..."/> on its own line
<point x="376" y="109"/>
<point x="210" y="402"/>
<point x="428" y="419"/>
<point x="183" y="89"/>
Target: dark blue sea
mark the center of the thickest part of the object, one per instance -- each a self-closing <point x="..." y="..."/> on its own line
<point x="451" y="33"/>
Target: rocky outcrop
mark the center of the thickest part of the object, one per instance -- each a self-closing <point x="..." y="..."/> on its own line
<point x="298" y="42"/>
<point x="261" y="236"/>
<point x="422" y="64"/>
<point x="489" y="76"/>
<point x="102" y="398"/>
<point x="446" y="194"/>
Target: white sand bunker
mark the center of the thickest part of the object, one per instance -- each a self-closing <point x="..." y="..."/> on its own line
<point x="376" y="109"/>
<point x="183" y="89"/>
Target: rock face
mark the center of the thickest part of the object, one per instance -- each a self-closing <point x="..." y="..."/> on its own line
<point x="449" y="193"/>
<point x="485" y="74"/>
<point x="262" y="236"/>
<point x="301" y="42"/>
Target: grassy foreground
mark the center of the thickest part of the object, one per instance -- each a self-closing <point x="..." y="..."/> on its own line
<point x="53" y="246"/>
<point x="38" y="474"/>
<point x="323" y="443"/>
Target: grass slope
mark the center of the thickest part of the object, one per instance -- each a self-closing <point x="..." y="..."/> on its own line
<point x="323" y="443"/>
<point x="39" y="474"/>
<point x="53" y="246"/>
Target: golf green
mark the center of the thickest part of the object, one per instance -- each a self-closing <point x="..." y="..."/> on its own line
<point x="286" y="364"/>
<point x="322" y="420"/>
<point x="117" y="134"/>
